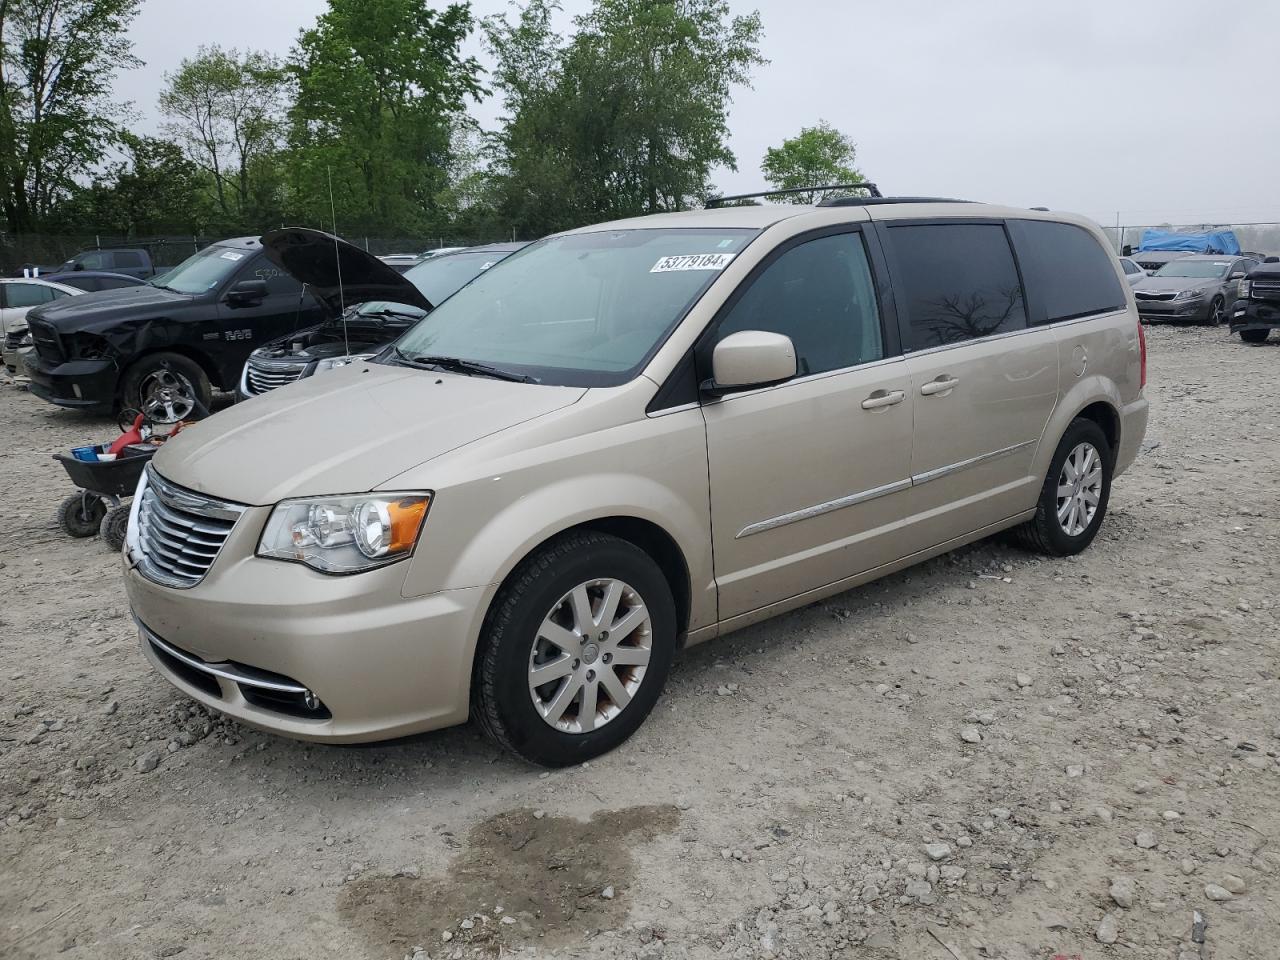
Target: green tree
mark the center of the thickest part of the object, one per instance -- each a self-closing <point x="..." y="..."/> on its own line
<point x="381" y="85"/>
<point x="226" y="108"/>
<point x="155" y="189"/>
<point x="628" y="116"/>
<point x="58" y="59"/>
<point x="816" y="156"/>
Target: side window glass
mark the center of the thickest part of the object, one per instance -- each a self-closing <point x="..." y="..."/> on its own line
<point x="1129" y="267"/>
<point x="960" y="281"/>
<point x="93" y="261"/>
<point x="27" y="294"/>
<point x="278" y="282"/>
<point x="128" y="259"/>
<point x="821" y="295"/>
<point x="1067" y="269"/>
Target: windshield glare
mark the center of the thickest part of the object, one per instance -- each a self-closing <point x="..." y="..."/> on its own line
<point x="441" y="277"/>
<point x="1194" y="268"/>
<point x="204" y="270"/>
<point x="581" y="310"/>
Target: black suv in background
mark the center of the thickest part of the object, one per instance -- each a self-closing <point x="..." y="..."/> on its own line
<point x="163" y="346"/>
<point x="1257" y="312"/>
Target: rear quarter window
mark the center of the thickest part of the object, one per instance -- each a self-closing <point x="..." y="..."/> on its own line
<point x="1067" y="271"/>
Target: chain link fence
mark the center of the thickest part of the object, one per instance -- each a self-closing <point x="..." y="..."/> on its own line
<point x="47" y="252"/>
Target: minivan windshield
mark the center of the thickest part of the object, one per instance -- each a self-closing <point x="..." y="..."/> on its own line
<point x="586" y="309"/>
<point x="202" y="271"/>
<point x="1194" y="268"/>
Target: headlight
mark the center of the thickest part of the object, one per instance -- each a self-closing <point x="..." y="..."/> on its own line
<point x="332" y="363"/>
<point x="1245" y="286"/>
<point x="345" y="534"/>
<point x="1190" y="294"/>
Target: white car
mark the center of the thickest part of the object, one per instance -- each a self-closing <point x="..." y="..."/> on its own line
<point x="1132" y="271"/>
<point x="17" y="296"/>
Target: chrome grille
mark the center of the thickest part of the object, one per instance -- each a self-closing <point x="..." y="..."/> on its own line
<point x="261" y="377"/>
<point x="177" y="533"/>
<point x="1264" y="289"/>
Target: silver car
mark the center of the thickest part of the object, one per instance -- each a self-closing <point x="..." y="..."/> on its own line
<point x="627" y="439"/>
<point x="1201" y="288"/>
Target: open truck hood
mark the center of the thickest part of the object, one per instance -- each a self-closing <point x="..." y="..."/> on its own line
<point x="338" y="273"/>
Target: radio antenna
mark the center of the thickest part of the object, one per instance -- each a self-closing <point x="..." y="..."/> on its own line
<point x="337" y="260"/>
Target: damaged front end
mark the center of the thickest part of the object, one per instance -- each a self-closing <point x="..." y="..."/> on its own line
<point x="77" y="369"/>
<point x="358" y="335"/>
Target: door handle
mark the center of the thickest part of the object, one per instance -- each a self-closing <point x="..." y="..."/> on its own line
<point x="881" y="399"/>
<point x="941" y="385"/>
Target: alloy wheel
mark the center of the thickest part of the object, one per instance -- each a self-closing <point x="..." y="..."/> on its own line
<point x="167" y="397"/>
<point x="1079" y="489"/>
<point x="590" y="655"/>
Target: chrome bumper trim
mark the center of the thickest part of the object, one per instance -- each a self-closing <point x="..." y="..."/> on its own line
<point x="227" y="671"/>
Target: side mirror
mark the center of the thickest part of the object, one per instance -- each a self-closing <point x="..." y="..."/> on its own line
<point x="1238" y="275"/>
<point x="248" y="291"/>
<point x="78" y="266"/>
<point x="750" y="358"/>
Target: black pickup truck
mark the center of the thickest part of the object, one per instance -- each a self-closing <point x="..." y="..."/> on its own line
<point x="1257" y="311"/>
<point x="162" y="346"/>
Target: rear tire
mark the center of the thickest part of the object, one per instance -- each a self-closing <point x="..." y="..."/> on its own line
<point x="1254" y="336"/>
<point x="114" y="525"/>
<point x="534" y="625"/>
<point x="80" y="515"/>
<point x="1049" y="531"/>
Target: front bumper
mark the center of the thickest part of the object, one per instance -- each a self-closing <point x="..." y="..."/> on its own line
<point x="83" y="384"/>
<point x="1255" y="315"/>
<point x="379" y="665"/>
<point x="1155" y="310"/>
<point x="12" y="358"/>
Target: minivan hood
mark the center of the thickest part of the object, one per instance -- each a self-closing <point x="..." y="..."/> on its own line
<point x="338" y="273"/>
<point x="346" y="431"/>
<point x="104" y="308"/>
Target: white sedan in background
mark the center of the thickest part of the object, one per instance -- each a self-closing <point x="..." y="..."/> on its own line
<point x="1132" y="271"/>
<point x="17" y="296"/>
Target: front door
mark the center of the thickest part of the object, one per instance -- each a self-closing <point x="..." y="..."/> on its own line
<point x="984" y="382"/>
<point x="286" y="308"/>
<point x="809" y="478"/>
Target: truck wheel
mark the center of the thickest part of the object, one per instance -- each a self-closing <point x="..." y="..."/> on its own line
<point x="575" y="650"/>
<point x="113" y="527"/>
<point x="167" y="387"/>
<point x="1073" y="500"/>
<point x="1254" y="336"/>
<point x="80" y="514"/>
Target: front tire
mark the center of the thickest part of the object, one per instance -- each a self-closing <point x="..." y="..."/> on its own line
<point x="1217" y="312"/>
<point x="167" y="387"/>
<point x="1254" y="336"/>
<point x="1073" y="500"/>
<point x="114" y="525"/>
<point x="575" y="650"/>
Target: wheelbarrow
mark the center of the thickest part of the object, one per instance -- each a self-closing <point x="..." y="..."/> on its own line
<point x="98" y="505"/>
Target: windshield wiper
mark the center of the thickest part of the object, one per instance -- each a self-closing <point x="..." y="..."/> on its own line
<point x="388" y="312"/>
<point x="458" y="365"/>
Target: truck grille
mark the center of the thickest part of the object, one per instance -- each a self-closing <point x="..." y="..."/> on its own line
<point x="261" y="376"/>
<point x="46" y="340"/>
<point x="178" y="533"/>
<point x="1264" y="289"/>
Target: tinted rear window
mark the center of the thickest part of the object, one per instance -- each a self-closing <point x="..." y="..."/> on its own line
<point x="960" y="282"/>
<point x="128" y="259"/>
<point x="1068" y="273"/>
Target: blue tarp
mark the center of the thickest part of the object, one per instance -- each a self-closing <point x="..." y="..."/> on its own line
<point x="1215" y="241"/>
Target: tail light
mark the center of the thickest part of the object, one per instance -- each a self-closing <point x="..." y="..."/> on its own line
<point x="1142" y="352"/>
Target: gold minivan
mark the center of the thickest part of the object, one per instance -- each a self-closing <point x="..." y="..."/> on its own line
<point x="630" y="438"/>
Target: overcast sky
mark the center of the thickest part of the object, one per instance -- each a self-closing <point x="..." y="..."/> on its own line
<point x="1159" y="112"/>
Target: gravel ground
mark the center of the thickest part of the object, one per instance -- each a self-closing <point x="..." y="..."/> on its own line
<point x="990" y="755"/>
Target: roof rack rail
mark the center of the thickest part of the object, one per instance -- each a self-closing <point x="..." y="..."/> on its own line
<point x="865" y="185"/>
<point x="873" y="201"/>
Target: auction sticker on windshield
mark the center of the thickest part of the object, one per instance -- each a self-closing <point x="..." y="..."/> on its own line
<point x="693" y="261"/>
